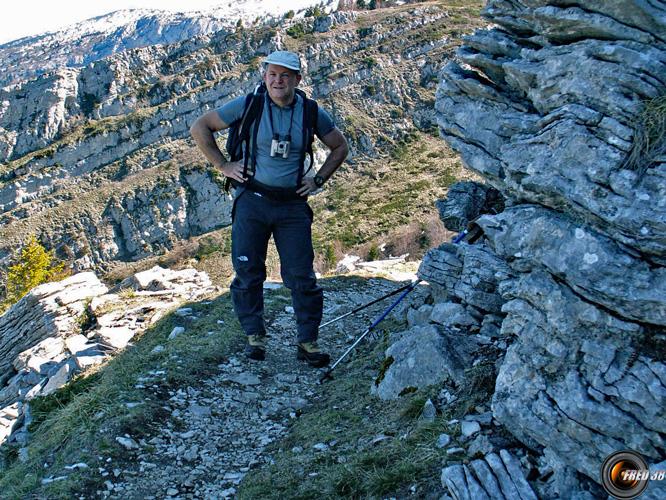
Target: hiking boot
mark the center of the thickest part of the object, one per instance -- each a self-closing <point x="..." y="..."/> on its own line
<point x="256" y="347"/>
<point x="310" y="352"/>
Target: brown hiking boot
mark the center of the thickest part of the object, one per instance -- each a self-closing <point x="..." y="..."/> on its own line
<point x="310" y="352"/>
<point x="256" y="347"/>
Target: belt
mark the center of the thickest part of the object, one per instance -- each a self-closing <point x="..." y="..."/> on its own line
<point x="272" y="192"/>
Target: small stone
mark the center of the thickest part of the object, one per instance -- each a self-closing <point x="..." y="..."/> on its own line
<point x="297" y="449"/>
<point x="172" y="492"/>
<point x="175" y="332"/>
<point x="79" y="465"/>
<point x="455" y="451"/>
<point x="245" y="378"/>
<point x="289" y="310"/>
<point x="184" y="311"/>
<point x="158" y="349"/>
<point x="320" y="447"/>
<point x="49" y="480"/>
<point x="128" y="443"/>
<point x="379" y="438"/>
<point x="429" y="411"/>
<point x="443" y="440"/>
<point x="469" y="428"/>
<point x="480" y="445"/>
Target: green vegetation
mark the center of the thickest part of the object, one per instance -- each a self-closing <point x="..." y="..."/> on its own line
<point x="33" y="266"/>
<point x="79" y="422"/>
<point x="314" y="11"/>
<point x="297" y="31"/>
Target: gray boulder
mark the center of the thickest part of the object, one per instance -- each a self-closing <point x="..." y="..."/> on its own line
<point x="465" y="201"/>
<point x="422" y="357"/>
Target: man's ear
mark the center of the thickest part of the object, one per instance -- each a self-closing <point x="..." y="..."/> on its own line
<point x="298" y="78"/>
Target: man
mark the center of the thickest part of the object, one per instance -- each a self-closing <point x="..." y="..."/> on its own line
<point x="273" y="201"/>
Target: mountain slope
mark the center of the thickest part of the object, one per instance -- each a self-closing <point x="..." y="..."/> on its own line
<point x="106" y="171"/>
<point x="102" y="36"/>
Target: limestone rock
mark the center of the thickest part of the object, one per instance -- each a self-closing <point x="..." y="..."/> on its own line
<point x="491" y="478"/>
<point x="545" y="106"/>
<point x="423" y="356"/>
<point x="469" y="273"/>
<point x="577" y="378"/>
<point x="49" y="310"/>
<point x="465" y="201"/>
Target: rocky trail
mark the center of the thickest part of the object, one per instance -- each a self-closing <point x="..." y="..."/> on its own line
<point x="217" y="432"/>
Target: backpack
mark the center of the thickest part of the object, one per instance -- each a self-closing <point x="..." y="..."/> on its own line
<point x="238" y="140"/>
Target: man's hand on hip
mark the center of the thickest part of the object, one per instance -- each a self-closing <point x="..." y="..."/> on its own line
<point x="308" y="186"/>
<point x="234" y="170"/>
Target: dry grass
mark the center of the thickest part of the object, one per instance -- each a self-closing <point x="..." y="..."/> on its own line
<point x="649" y="136"/>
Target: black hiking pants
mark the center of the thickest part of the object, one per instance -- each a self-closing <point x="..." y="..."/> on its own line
<point x="255" y="218"/>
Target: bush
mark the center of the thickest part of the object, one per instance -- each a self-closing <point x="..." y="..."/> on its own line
<point x="34" y="266"/>
<point x="296" y="31"/>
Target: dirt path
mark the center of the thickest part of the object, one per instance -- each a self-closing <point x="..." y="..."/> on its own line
<point x="217" y="432"/>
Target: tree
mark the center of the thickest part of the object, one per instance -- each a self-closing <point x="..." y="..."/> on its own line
<point x="34" y="266"/>
<point x="289" y="14"/>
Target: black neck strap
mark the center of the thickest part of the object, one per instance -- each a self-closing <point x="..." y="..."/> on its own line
<point x="291" y="119"/>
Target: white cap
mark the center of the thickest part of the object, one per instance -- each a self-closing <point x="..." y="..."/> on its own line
<point x="284" y="58"/>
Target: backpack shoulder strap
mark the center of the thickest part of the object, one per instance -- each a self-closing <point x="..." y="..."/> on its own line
<point x="310" y="113"/>
<point x="239" y="133"/>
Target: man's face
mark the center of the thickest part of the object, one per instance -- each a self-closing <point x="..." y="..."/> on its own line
<point x="281" y="82"/>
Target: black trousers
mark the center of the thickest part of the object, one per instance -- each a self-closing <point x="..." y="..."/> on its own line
<point x="255" y="218"/>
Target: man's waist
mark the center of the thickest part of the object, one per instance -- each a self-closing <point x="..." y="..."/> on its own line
<point x="275" y="193"/>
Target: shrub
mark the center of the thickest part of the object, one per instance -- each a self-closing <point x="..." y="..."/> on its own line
<point x="34" y="266"/>
<point x="296" y="31"/>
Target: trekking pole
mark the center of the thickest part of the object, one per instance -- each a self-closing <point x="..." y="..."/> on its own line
<point x="359" y="308"/>
<point x="408" y="289"/>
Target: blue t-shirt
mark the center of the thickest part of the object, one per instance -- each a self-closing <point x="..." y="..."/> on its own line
<point x="277" y="171"/>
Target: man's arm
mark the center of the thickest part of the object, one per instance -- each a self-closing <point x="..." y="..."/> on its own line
<point x="202" y="131"/>
<point x="337" y="143"/>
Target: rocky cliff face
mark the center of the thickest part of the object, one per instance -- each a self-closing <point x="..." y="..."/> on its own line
<point x="95" y="39"/>
<point x="63" y="328"/>
<point x="547" y="107"/>
<point x="98" y="161"/>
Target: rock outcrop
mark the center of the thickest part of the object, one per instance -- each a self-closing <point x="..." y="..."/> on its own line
<point x="60" y="329"/>
<point x="547" y="107"/>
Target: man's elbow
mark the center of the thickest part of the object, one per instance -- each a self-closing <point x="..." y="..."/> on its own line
<point x="344" y="148"/>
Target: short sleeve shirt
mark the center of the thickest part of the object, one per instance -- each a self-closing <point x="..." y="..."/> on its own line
<point x="276" y="170"/>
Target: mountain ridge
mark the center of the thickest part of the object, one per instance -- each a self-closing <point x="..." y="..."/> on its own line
<point x="94" y="39"/>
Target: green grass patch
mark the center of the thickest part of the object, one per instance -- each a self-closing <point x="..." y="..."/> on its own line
<point x="79" y="422"/>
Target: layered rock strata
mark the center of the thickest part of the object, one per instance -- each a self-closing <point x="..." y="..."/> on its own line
<point x="60" y="329"/>
<point x="545" y="107"/>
